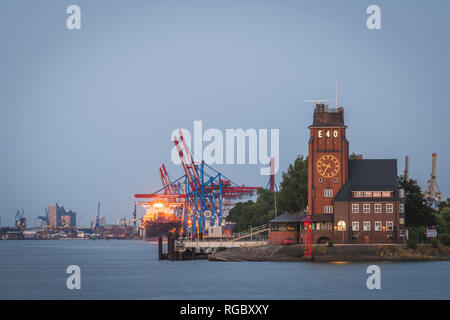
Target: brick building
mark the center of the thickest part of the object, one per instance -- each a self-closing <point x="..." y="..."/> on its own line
<point x="349" y="200"/>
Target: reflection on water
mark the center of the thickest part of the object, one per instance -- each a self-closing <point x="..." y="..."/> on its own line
<point x="119" y="269"/>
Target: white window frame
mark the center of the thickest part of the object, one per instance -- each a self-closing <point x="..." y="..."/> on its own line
<point x="355" y="225"/>
<point x="401" y="193"/>
<point x="328" y="193"/>
<point x="328" y="209"/>
<point x="377" y="208"/>
<point x="402" y="208"/>
<point x="366" y="208"/>
<point x="389" y="208"/>
<point x="355" y="207"/>
<point x="378" y="226"/>
<point x="389" y="225"/>
<point x="366" y="225"/>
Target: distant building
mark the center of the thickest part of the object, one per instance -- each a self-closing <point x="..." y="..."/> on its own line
<point x="59" y="217"/>
<point x="101" y="222"/>
<point x="123" y="222"/>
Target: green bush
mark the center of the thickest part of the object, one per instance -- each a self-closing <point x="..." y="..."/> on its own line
<point x="434" y="243"/>
<point x="412" y="244"/>
<point x="445" y="239"/>
<point x="330" y="243"/>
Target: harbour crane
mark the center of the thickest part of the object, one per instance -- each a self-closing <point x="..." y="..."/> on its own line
<point x="432" y="192"/>
<point x="20" y="220"/>
<point x="44" y="219"/>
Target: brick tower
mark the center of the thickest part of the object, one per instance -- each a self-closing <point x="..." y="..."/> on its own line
<point x="327" y="158"/>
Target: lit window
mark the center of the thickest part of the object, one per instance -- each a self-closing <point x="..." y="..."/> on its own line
<point x="378" y="225"/>
<point x="386" y="194"/>
<point x="401" y="221"/>
<point x="376" y="194"/>
<point x="355" y="208"/>
<point x="366" y="207"/>
<point x="402" y="208"/>
<point x="368" y="194"/>
<point x="355" y="225"/>
<point x="401" y="193"/>
<point x="328" y="209"/>
<point x="377" y="207"/>
<point x="366" y="225"/>
<point x="389" y="225"/>
<point x="389" y="208"/>
<point x="328" y="193"/>
<point x="341" y="226"/>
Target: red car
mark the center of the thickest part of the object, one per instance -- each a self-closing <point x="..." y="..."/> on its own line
<point x="287" y="241"/>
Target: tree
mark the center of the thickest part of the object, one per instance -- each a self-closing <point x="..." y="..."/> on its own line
<point x="418" y="214"/>
<point x="294" y="187"/>
<point x="292" y="197"/>
<point x="354" y="156"/>
<point x="444" y="204"/>
<point x="444" y="221"/>
<point x="250" y="214"/>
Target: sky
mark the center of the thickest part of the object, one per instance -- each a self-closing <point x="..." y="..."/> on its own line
<point x="86" y="115"/>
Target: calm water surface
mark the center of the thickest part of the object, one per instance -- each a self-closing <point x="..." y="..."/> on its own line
<point x="130" y="270"/>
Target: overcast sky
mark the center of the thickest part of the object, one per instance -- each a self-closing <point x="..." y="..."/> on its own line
<point x="86" y="115"/>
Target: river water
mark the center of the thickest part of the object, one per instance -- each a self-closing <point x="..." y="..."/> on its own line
<point x="118" y="269"/>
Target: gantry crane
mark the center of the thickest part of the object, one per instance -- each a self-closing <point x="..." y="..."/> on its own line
<point x="202" y="199"/>
<point x="20" y="220"/>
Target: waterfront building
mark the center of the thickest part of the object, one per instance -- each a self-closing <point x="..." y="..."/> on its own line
<point x="349" y="200"/>
<point x="59" y="217"/>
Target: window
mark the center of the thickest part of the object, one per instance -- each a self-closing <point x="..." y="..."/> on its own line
<point x="335" y="180"/>
<point x="328" y="209"/>
<point x="389" y="208"/>
<point x="386" y="194"/>
<point x="378" y="226"/>
<point x="366" y="207"/>
<point x="358" y="194"/>
<point x="376" y="194"/>
<point x="355" y="225"/>
<point x="366" y="225"/>
<point x="401" y="193"/>
<point x="377" y="207"/>
<point x="389" y="225"/>
<point x="402" y="208"/>
<point x="368" y="194"/>
<point x="320" y="180"/>
<point x="401" y="221"/>
<point x="355" y="208"/>
<point x="341" y="226"/>
<point x="328" y="193"/>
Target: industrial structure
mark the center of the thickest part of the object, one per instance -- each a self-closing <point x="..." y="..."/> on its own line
<point x="432" y="192"/>
<point x="195" y="203"/>
<point x="20" y="220"/>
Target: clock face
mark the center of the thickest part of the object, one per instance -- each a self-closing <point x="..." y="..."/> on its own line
<point x="328" y="166"/>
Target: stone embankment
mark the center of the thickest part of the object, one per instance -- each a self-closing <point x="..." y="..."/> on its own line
<point x="350" y="253"/>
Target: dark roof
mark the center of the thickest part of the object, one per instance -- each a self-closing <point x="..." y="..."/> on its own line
<point x="288" y="217"/>
<point x="301" y="217"/>
<point x="369" y="175"/>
